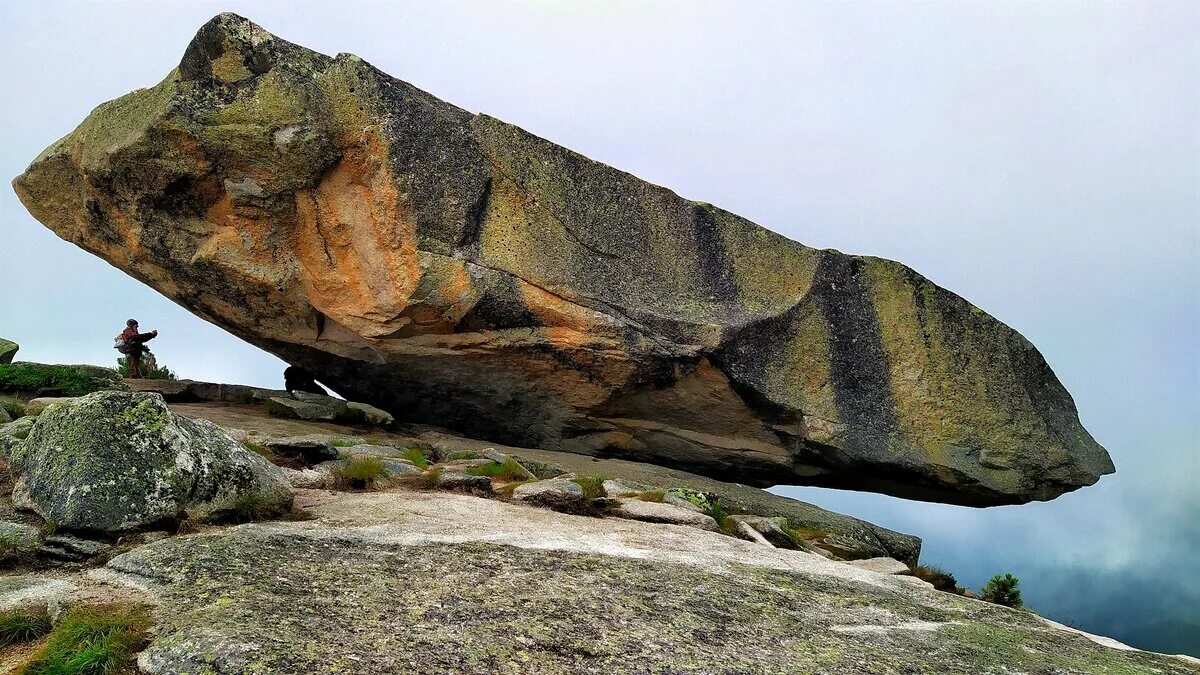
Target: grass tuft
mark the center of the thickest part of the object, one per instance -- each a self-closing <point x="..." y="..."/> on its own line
<point x="462" y="454"/>
<point x="415" y="456"/>
<point x="249" y="509"/>
<point x="93" y="640"/>
<point x="22" y="625"/>
<point x="593" y="486"/>
<point x="508" y="470"/>
<point x="359" y="473"/>
<point x="653" y="495"/>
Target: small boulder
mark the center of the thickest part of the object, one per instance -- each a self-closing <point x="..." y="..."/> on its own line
<point x="750" y="534"/>
<point x="34" y="592"/>
<point x="617" y="488"/>
<point x="116" y="460"/>
<point x="881" y="565"/>
<point x="312" y="449"/>
<point x="658" y="512"/>
<point x="540" y="470"/>
<point x="399" y="468"/>
<point x="771" y="529"/>
<point x="18" y="539"/>
<point x="557" y="493"/>
<point x="370" y="450"/>
<point x="8" y="349"/>
<point x="371" y="414"/>
<point x="18" y="428"/>
<point x="5" y="418"/>
<point x="38" y="405"/>
<point x="454" y="480"/>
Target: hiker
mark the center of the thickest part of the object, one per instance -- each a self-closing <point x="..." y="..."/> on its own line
<point x="132" y="344"/>
<point x="296" y="379"/>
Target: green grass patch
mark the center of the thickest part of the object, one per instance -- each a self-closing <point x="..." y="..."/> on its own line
<point x="12" y="405"/>
<point x="508" y="470"/>
<point x="653" y="495"/>
<point x="345" y="442"/>
<point x="593" y="486"/>
<point x="39" y="379"/>
<point x="250" y="509"/>
<point x="359" y="473"/>
<point x="22" y="625"/>
<point x="93" y="640"/>
<point x="415" y="456"/>
<point x="462" y="454"/>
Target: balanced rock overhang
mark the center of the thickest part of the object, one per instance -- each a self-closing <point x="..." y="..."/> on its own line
<point x="458" y="271"/>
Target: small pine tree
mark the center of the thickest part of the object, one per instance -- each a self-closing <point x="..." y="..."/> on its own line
<point x="150" y="369"/>
<point x="1002" y="590"/>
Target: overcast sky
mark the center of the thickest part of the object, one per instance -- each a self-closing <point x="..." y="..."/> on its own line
<point x="1041" y="159"/>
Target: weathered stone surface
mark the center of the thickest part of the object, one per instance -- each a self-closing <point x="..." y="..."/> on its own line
<point x="456" y="270"/>
<point x="33" y="592"/>
<point x="881" y="565"/>
<point x="18" y="539"/>
<point x="119" y="460"/>
<point x="371" y="414"/>
<point x="559" y="494"/>
<point x="8" y="349"/>
<point x="435" y="582"/>
<point x="456" y="480"/>
<point x="770" y="529"/>
<point x="312" y="448"/>
<point x="657" y="512"/>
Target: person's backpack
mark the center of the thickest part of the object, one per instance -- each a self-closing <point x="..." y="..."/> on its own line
<point x="121" y="345"/>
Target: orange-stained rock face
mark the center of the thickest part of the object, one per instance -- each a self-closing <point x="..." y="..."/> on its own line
<point x="460" y="272"/>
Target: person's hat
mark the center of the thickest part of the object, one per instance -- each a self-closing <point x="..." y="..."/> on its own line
<point x="131" y="322"/>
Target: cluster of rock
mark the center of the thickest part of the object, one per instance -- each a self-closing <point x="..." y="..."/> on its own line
<point x="458" y="271"/>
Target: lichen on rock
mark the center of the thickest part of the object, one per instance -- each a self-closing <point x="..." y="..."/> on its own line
<point x="114" y="460"/>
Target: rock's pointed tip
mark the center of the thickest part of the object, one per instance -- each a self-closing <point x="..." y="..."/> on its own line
<point x="227" y="48"/>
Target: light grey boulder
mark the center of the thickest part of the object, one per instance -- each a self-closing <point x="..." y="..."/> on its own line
<point x="37" y="406"/>
<point x="771" y="529"/>
<point x="35" y="593"/>
<point x="658" y="512"/>
<point x="313" y="478"/>
<point x="750" y="534"/>
<point x="398" y="468"/>
<point x="559" y="494"/>
<point x="115" y="460"/>
<point x="18" y="539"/>
<point x="617" y="488"/>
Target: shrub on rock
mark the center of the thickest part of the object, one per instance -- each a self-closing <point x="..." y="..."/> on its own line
<point x="40" y="379"/>
<point x="116" y="460"/>
<point x="1002" y="590"/>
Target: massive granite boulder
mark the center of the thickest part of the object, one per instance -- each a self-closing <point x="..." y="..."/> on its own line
<point x="456" y="270"/>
